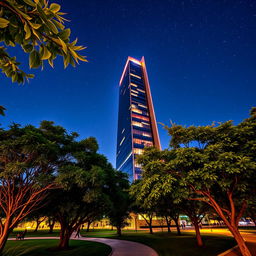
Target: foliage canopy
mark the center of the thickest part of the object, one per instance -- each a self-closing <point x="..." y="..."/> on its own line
<point x="38" y="27"/>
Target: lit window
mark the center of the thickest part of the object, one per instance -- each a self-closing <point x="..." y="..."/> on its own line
<point x="145" y="134"/>
<point x="133" y="94"/>
<point x="137" y="124"/>
<point x="135" y="75"/>
<point x="134" y="91"/>
<point x="137" y="141"/>
<point x="135" y="85"/>
<point x="123" y="130"/>
<point x="141" y="90"/>
<point x="143" y="106"/>
<point x="143" y="142"/>
<point x="148" y="144"/>
<point x="138" y="151"/>
<point x="135" y="61"/>
<point x="137" y="165"/>
<point x="140" y="117"/>
<point x="135" y="110"/>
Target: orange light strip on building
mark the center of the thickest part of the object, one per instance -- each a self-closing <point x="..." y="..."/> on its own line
<point x="136" y="110"/>
<point x="135" y="75"/>
<point x="135" y="61"/>
<point x="126" y="64"/>
<point x="140" y="117"/>
<point x="151" y="107"/>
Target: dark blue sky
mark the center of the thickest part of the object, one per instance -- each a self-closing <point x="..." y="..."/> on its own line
<point x="200" y="56"/>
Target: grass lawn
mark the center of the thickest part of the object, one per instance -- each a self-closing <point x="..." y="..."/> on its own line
<point x="48" y="248"/>
<point x="171" y="244"/>
<point x="30" y="233"/>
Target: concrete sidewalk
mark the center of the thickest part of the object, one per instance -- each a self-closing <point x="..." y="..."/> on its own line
<point x="123" y="247"/>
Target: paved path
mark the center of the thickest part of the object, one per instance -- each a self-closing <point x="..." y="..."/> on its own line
<point x="123" y="247"/>
<point x="119" y="247"/>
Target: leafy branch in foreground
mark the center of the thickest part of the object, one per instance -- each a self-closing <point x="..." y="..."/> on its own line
<point x="38" y="27"/>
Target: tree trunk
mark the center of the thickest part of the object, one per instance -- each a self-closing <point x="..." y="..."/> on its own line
<point x="240" y="241"/>
<point x="150" y="226"/>
<point x="3" y="241"/>
<point x="4" y="235"/>
<point x="168" y="224"/>
<point x="88" y="226"/>
<point x="65" y="234"/>
<point x="177" y="226"/>
<point x="198" y="235"/>
<point x="119" y="231"/>
<point x="150" y="229"/>
<point x="51" y="226"/>
<point x="64" y="242"/>
<point x="37" y="225"/>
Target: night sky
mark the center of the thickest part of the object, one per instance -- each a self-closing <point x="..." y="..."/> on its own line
<point x="200" y="57"/>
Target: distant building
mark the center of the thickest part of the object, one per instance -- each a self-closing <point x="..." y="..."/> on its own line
<point x="136" y="118"/>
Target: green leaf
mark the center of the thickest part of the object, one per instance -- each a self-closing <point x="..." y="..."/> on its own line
<point x="66" y="60"/>
<point x="64" y="46"/>
<point x="52" y="27"/>
<point x="58" y="25"/>
<point x="15" y="77"/>
<point x="3" y="23"/>
<point x="54" y="7"/>
<point x="27" y="31"/>
<point x="30" y="75"/>
<point x="46" y="54"/>
<point x="35" y="26"/>
<point x="29" y="2"/>
<point x="18" y="38"/>
<point x="34" y="59"/>
<point x="65" y="34"/>
<point x="27" y="48"/>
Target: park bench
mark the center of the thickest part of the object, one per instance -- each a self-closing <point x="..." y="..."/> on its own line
<point x="21" y="235"/>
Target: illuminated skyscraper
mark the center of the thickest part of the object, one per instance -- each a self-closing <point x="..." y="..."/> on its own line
<point x="136" y="118"/>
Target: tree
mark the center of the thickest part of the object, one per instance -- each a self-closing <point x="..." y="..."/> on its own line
<point x="82" y="195"/>
<point x="25" y="175"/>
<point x="143" y="205"/>
<point x="167" y="208"/>
<point x="28" y="160"/>
<point x="38" y="27"/>
<point x="51" y="220"/>
<point x="165" y="192"/>
<point x="120" y="204"/>
<point x="217" y="164"/>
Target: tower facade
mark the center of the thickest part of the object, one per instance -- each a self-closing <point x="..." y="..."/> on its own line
<point x="137" y="127"/>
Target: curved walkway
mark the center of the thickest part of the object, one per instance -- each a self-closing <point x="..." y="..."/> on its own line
<point x="123" y="247"/>
<point x="119" y="247"/>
